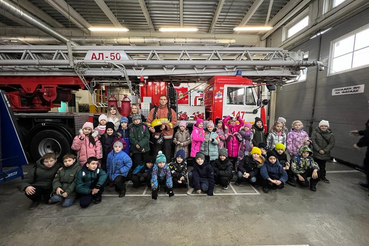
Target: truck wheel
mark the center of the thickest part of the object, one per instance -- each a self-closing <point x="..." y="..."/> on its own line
<point x="49" y="141"/>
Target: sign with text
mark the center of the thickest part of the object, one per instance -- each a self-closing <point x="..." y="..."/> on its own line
<point x="355" y="89"/>
<point x="106" y="56"/>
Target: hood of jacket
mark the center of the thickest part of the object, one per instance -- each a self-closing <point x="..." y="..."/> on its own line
<point x="94" y="133"/>
<point x="305" y="148"/>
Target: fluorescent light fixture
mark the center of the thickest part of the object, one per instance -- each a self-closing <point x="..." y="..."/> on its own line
<point x="252" y="28"/>
<point x="178" y="29"/>
<point x="108" y="29"/>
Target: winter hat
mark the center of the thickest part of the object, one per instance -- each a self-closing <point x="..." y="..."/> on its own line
<point x="150" y="159"/>
<point x="200" y="155"/>
<point x="118" y="143"/>
<point x="247" y="124"/>
<point x="160" y="157"/>
<point x="324" y="123"/>
<point x="271" y="153"/>
<point x="103" y="117"/>
<point x="136" y="117"/>
<point x="198" y="121"/>
<point x="110" y="125"/>
<point x="255" y="150"/>
<point x="210" y="123"/>
<point x="258" y="119"/>
<point x="279" y="146"/>
<point x="88" y="125"/>
<point x="282" y="120"/>
<point x="297" y="121"/>
<point x="262" y="145"/>
<point x="223" y="152"/>
<point x="217" y="120"/>
<point x="183" y="123"/>
<point x="124" y="119"/>
<point x="180" y="153"/>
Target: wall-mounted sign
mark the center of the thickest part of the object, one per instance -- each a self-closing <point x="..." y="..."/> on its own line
<point x="355" y="89"/>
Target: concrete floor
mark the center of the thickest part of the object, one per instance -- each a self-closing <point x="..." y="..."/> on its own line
<point x="337" y="214"/>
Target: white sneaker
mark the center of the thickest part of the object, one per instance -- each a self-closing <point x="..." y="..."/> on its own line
<point x="225" y="187"/>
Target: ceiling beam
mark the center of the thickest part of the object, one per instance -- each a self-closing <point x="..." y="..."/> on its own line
<point x="254" y="7"/>
<point x="105" y="8"/>
<point x="269" y="11"/>
<point x="216" y="15"/>
<point x="38" y="12"/>
<point x="14" y="18"/>
<point x="146" y="14"/>
<point x="65" y="9"/>
<point x="181" y="12"/>
<point x="284" y="11"/>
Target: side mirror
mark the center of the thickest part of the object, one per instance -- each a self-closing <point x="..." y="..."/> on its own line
<point x="255" y="111"/>
<point x="270" y="87"/>
<point x="265" y="102"/>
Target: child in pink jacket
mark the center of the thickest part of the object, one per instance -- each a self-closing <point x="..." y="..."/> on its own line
<point x="233" y="125"/>
<point x="296" y="138"/>
<point x="221" y="133"/>
<point x="87" y="144"/>
<point x="197" y="137"/>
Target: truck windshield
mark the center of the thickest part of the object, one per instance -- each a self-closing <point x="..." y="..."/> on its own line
<point x="240" y="96"/>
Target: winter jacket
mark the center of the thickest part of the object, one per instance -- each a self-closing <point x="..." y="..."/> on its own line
<point x="197" y="137"/>
<point x="274" y="138"/>
<point x="250" y="166"/>
<point x="118" y="164"/>
<point x="295" y="140"/>
<point x="274" y="171"/>
<point x="85" y="149"/>
<point x="88" y="180"/>
<point x="245" y="144"/>
<point x="282" y="158"/>
<point x="115" y="121"/>
<point x="222" y="138"/>
<point x="322" y="141"/>
<point x="143" y="119"/>
<point x="162" y="113"/>
<point x="142" y="168"/>
<point x="205" y="171"/>
<point x="223" y="168"/>
<point x="139" y="134"/>
<point x="210" y="148"/>
<point x="161" y="174"/>
<point x="178" y="169"/>
<point x="182" y="137"/>
<point x="66" y="179"/>
<point x="259" y="135"/>
<point x="233" y="140"/>
<point x="300" y="164"/>
<point x="40" y="176"/>
<point x="124" y="133"/>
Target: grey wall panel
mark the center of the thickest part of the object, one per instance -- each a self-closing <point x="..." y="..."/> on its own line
<point x="344" y="113"/>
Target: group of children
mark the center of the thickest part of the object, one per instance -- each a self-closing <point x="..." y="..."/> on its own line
<point x="117" y="151"/>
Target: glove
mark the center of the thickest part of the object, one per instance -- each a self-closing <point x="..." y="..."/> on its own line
<point x="154" y="194"/>
<point x="170" y="192"/>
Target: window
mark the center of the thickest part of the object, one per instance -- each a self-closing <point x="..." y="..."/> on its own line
<point x="337" y="2"/>
<point x="350" y="52"/>
<point x="298" y="27"/>
<point x="250" y="100"/>
<point x="235" y="95"/>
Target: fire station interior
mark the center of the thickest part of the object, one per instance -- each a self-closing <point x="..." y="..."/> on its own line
<point x="64" y="63"/>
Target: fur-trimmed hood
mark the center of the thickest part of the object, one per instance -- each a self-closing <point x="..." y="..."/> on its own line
<point x="94" y="133"/>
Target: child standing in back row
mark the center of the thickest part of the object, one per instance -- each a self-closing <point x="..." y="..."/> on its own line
<point x="123" y="132"/>
<point x="233" y="126"/>
<point x="197" y="137"/>
<point x="296" y="138"/>
<point x="210" y="145"/>
<point x="276" y="135"/>
<point x="221" y="133"/>
<point x="103" y="119"/>
<point x="182" y="139"/>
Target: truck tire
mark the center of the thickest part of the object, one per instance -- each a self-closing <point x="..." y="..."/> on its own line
<point x="48" y="141"/>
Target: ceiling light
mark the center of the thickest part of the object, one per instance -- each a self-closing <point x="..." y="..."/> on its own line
<point x="252" y="28"/>
<point x="178" y="29"/>
<point x="108" y="29"/>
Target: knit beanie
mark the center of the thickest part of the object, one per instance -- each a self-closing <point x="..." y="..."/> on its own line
<point x="271" y="153"/>
<point x="198" y="121"/>
<point x="150" y="159"/>
<point x="200" y="155"/>
<point x="324" y="123"/>
<point x="110" y="125"/>
<point x="161" y="157"/>
<point x="210" y="123"/>
<point x="282" y="120"/>
<point x="247" y="124"/>
<point x="180" y="153"/>
<point x="217" y="120"/>
<point x="136" y="117"/>
<point x="279" y="146"/>
<point x="297" y="121"/>
<point x="223" y="152"/>
<point x="103" y="117"/>
<point x="258" y="119"/>
<point x="88" y="125"/>
<point x="255" y="150"/>
<point x="124" y="119"/>
<point x="183" y="123"/>
<point x="118" y="143"/>
<point x="262" y="145"/>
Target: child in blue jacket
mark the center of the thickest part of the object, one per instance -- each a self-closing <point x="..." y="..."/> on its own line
<point x="272" y="173"/>
<point x="161" y="176"/>
<point x="118" y="165"/>
<point x="123" y="132"/>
